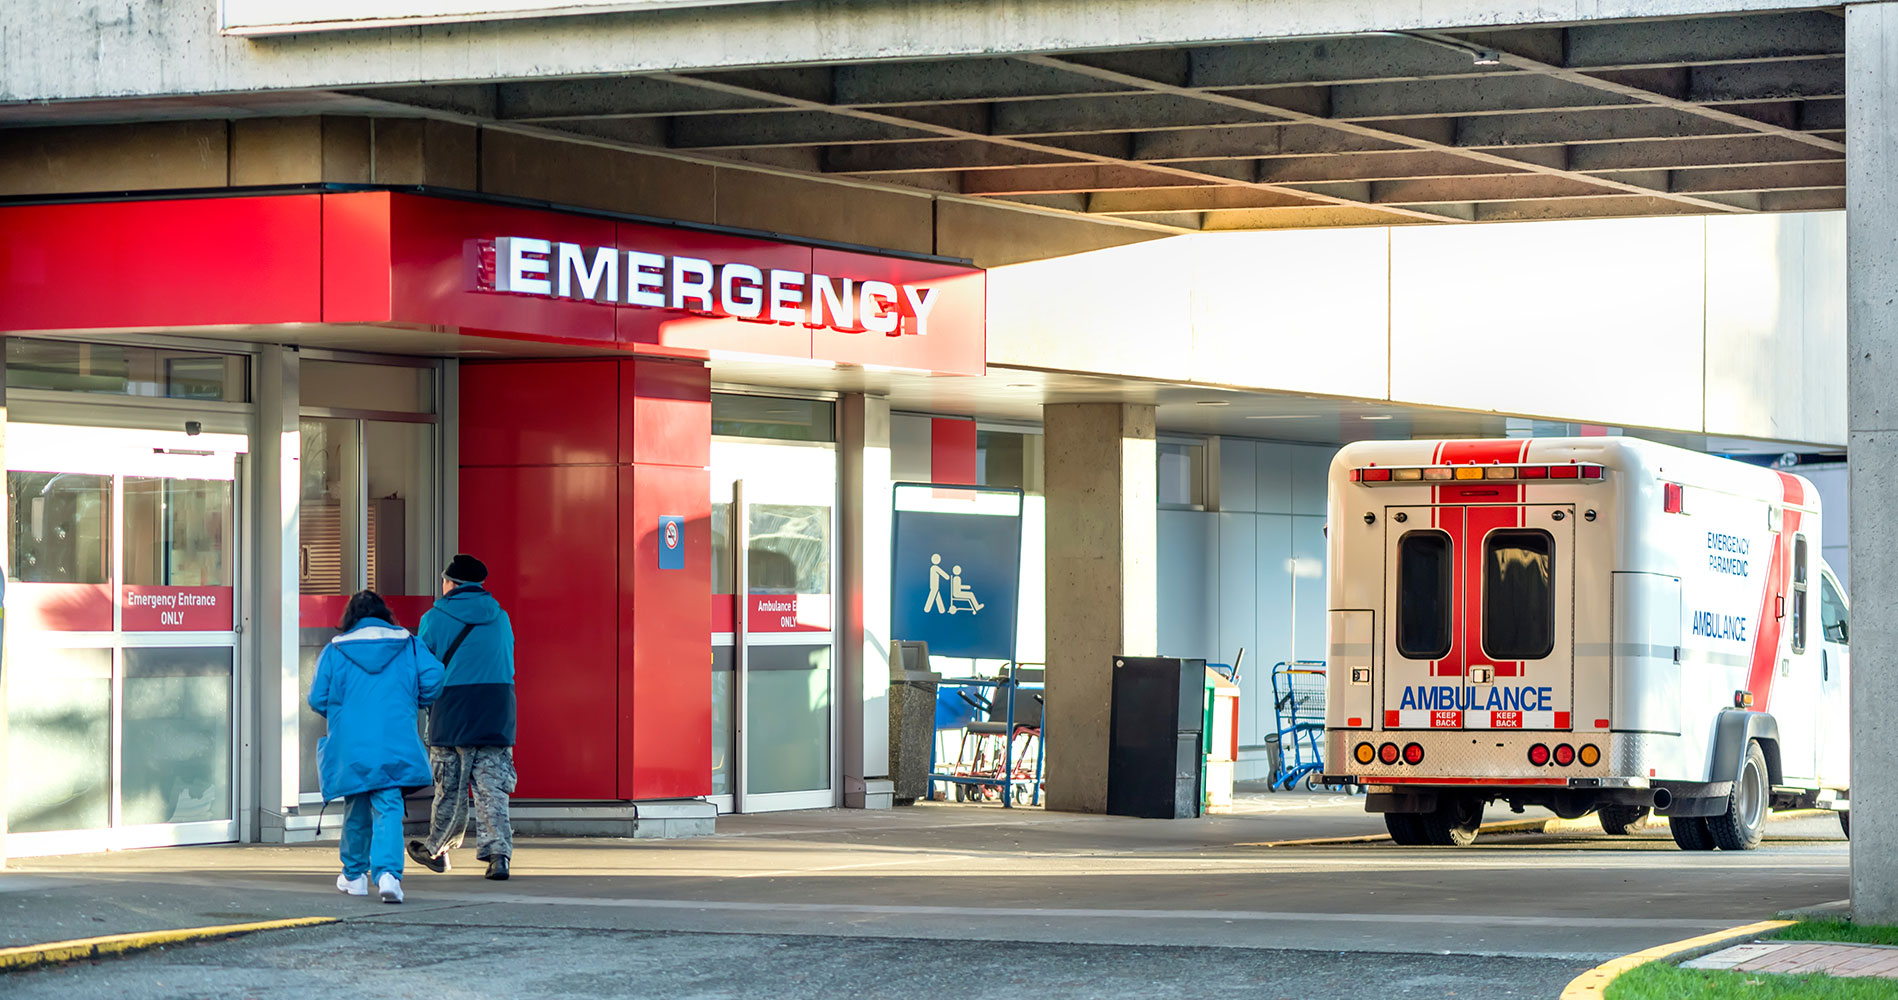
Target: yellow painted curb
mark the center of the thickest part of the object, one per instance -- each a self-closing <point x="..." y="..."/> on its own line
<point x="28" y="956"/>
<point x="1592" y="984"/>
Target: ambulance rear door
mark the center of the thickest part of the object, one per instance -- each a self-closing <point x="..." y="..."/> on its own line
<point x="1519" y="616"/>
<point x="1423" y="595"/>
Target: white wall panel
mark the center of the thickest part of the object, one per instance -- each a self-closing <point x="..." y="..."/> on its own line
<point x="1238" y="474"/>
<point x="1238" y="615"/>
<point x="1285" y="308"/>
<point x="1188" y="561"/>
<point x="1308" y="588"/>
<point x="1275" y="478"/>
<point x="1594" y="321"/>
<point x="1124" y="310"/>
<point x="1310" y="466"/>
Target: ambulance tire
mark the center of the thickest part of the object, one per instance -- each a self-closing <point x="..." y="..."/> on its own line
<point x="1454" y="823"/>
<point x="1744" y="823"/>
<point x="1690" y="833"/>
<point x="1845" y="822"/>
<point x="1404" y="829"/>
<point x="1620" y="821"/>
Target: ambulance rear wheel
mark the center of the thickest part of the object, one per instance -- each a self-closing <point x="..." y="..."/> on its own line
<point x="1690" y="833"/>
<point x="1619" y="821"/>
<point x="1744" y="823"/>
<point x="1845" y="823"/>
<point x="1404" y="829"/>
<point x="1454" y="822"/>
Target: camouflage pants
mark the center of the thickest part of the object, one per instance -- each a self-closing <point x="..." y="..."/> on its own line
<point x="487" y="773"/>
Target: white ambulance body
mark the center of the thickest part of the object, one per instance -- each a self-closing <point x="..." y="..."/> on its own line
<point x="1581" y="624"/>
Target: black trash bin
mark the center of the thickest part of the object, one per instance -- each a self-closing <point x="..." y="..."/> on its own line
<point x="1154" y="733"/>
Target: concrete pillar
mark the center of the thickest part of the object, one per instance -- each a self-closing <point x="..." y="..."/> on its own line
<point x="276" y="481"/>
<point x="6" y="561"/>
<point x="1871" y="200"/>
<point x="865" y="646"/>
<point x="1102" y="488"/>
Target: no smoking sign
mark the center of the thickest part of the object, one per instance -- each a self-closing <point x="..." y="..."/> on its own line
<point x="671" y="541"/>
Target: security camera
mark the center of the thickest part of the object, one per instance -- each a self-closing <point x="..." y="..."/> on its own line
<point x="194" y="428"/>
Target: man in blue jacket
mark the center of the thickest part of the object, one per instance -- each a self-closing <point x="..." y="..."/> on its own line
<point x="471" y="726"/>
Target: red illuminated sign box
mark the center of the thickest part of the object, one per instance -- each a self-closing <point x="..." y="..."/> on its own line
<point x="481" y="269"/>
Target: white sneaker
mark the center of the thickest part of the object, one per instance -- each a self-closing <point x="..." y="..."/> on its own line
<point x="389" y="888"/>
<point x="358" y="886"/>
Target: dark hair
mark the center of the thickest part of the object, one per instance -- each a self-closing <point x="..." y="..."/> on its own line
<point x="366" y="604"/>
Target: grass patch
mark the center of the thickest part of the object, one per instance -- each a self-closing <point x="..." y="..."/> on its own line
<point x="1843" y="931"/>
<point x="1661" y="981"/>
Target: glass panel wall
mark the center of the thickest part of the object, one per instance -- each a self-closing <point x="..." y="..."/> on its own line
<point x="62" y="527"/>
<point x="59" y="740"/>
<point x="124" y="370"/>
<point x="178" y="722"/>
<point x="369" y="506"/>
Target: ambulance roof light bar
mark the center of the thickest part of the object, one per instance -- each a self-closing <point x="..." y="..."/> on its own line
<point x="1465" y="473"/>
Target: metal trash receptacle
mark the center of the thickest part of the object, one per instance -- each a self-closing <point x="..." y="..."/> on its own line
<point x="912" y="720"/>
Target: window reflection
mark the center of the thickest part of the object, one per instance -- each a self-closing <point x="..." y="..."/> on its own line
<point x="790" y="549"/>
<point x="62" y="527"/>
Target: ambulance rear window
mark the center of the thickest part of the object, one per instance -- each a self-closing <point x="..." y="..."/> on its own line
<point x="1423" y="595"/>
<point x="1518" y="602"/>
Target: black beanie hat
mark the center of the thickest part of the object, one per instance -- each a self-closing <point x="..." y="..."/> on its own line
<point x="466" y="569"/>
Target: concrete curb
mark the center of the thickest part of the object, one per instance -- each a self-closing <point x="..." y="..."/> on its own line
<point x="1593" y="983"/>
<point x="1585" y="824"/>
<point x="32" y="955"/>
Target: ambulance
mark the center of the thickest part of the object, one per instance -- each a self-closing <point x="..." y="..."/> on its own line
<point x="1583" y="624"/>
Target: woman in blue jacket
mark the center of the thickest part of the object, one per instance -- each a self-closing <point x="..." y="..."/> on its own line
<point x="370" y="682"/>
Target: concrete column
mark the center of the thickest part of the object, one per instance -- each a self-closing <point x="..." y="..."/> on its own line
<point x="1871" y="200"/>
<point x="1102" y="488"/>
<point x="865" y="646"/>
<point x="276" y="481"/>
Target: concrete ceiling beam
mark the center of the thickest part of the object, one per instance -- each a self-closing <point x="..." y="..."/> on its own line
<point x="1730" y="83"/>
<point x="1802" y="176"/>
<point x="1374" y="167"/>
<point x="1073" y="179"/>
<point x="1253" y="141"/>
<point x="882" y="84"/>
<point x="1735" y="151"/>
<point x="1559" y="128"/>
<point x="813" y="128"/>
<point x="1522" y="187"/>
<point x="934" y="155"/>
<point x="1362" y="59"/>
<point x="1128" y="113"/>
<point x="619" y="97"/>
<point x="1745" y="38"/>
<point x="1613" y="207"/>
<point x="1719" y="31"/>
<point x="1192" y="200"/>
<point x="1416" y="133"/>
<point x="1496" y="94"/>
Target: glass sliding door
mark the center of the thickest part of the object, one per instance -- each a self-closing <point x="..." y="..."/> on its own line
<point x="774" y="709"/>
<point x="368" y="505"/>
<point x="121" y="694"/>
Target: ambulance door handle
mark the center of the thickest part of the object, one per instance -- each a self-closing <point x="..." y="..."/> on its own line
<point x="1825" y="665"/>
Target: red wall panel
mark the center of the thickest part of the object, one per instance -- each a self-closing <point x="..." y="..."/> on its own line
<point x="952" y="451"/>
<point x="549" y="536"/>
<point x="665" y="413"/>
<point x="356" y="263"/>
<point x="666" y="647"/>
<point x="197" y="262"/>
<point x="540" y="413"/>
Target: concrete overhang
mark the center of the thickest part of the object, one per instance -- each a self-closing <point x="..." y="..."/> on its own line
<point x="1378" y="118"/>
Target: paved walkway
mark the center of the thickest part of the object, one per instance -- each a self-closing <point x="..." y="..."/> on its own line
<point x="1798" y="958"/>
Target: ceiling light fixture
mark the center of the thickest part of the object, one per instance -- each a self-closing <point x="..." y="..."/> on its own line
<point x="1215" y="402"/>
<point x="1375" y="416"/>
